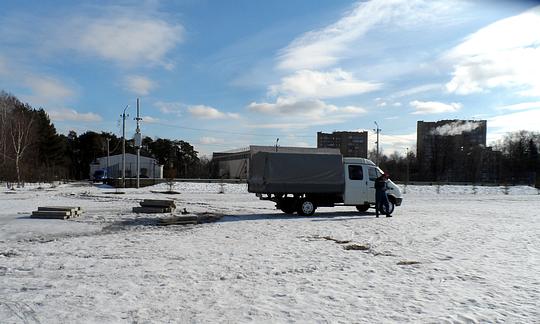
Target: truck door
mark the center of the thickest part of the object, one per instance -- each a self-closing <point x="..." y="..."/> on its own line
<point x="355" y="186"/>
<point x="373" y="174"/>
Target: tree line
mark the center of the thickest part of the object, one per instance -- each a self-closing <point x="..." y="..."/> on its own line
<point x="515" y="159"/>
<point x="31" y="149"/>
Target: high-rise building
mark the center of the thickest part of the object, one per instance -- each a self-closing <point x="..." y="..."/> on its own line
<point x="451" y="150"/>
<point x="350" y="144"/>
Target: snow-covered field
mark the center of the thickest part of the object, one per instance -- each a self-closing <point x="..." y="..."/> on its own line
<point x="446" y="257"/>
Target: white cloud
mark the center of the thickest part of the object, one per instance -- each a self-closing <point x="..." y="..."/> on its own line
<point x="139" y="85"/>
<point x="433" y="107"/>
<point x="129" y="35"/>
<point x="315" y="84"/>
<point x="47" y="89"/>
<point x="291" y="106"/>
<point x="207" y="112"/>
<point x="211" y="140"/>
<point x="150" y="119"/>
<point x="521" y="106"/>
<point x="502" y="124"/>
<point x="41" y="90"/>
<point x="294" y="113"/>
<point x="418" y="89"/>
<point x="325" y="47"/>
<point x="396" y="143"/>
<point x="72" y="115"/>
<point x="353" y="110"/>
<point x="126" y="39"/>
<point x="504" y="54"/>
<point x="175" y="108"/>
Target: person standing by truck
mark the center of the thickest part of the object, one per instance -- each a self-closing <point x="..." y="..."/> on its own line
<point x="381" y="199"/>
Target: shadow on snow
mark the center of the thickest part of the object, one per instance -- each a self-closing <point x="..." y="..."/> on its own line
<point x="318" y="217"/>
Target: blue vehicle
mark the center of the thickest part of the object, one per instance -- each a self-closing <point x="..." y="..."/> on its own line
<point x="99" y="175"/>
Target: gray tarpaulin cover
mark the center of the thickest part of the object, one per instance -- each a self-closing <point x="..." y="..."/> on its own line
<point x="271" y="172"/>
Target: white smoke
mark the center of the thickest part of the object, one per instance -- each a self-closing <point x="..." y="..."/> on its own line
<point x="455" y="128"/>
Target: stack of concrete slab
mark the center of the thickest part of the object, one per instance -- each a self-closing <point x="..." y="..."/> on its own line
<point x="155" y="206"/>
<point x="190" y="219"/>
<point x="57" y="212"/>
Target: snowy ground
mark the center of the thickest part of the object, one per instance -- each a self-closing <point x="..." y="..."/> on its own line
<point x="452" y="256"/>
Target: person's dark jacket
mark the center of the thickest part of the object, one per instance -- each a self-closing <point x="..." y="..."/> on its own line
<point x="380" y="184"/>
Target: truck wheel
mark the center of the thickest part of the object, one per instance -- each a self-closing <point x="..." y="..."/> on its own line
<point x="306" y="208"/>
<point x="362" y="208"/>
<point x="391" y="207"/>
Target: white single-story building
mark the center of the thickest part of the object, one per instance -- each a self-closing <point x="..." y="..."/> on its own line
<point x="149" y="167"/>
<point x="234" y="164"/>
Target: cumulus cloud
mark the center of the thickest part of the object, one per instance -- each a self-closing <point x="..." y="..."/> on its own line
<point x="73" y="115"/>
<point x="521" y="106"/>
<point x="503" y="54"/>
<point x="127" y="35"/>
<point x="300" y="113"/>
<point x="123" y="38"/>
<point x="396" y="143"/>
<point x="139" y="85"/>
<point x="316" y="84"/>
<point x="207" y="112"/>
<point x="175" y="108"/>
<point x="47" y="89"/>
<point x="516" y="121"/>
<point x="150" y="119"/>
<point x="325" y="47"/>
<point x="433" y="107"/>
<point x="211" y="140"/>
<point x="418" y="89"/>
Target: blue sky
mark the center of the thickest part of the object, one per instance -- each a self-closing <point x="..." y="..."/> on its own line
<point x="227" y="74"/>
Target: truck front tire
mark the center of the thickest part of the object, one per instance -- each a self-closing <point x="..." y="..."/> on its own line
<point x="391" y="206"/>
<point x="306" y="207"/>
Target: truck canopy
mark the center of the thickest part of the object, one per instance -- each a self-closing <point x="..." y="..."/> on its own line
<point x="296" y="173"/>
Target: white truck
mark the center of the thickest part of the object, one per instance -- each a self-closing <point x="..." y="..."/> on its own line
<point x="301" y="182"/>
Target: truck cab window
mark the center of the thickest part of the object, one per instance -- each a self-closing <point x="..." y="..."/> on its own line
<point x="355" y="172"/>
<point x="373" y="174"/>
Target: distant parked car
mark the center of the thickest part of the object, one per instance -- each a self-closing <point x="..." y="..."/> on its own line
<point x="99" y="175"/>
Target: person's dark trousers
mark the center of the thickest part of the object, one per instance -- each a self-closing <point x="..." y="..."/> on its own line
<point x="381" y="200"/>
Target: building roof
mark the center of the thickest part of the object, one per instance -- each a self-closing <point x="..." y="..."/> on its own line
<point x="128" y="156"/>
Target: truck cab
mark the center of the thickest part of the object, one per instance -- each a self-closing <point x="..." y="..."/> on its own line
<point x="360" y="176"/>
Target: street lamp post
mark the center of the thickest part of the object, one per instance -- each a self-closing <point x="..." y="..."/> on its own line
<point x="124" y="146"/>
<point x="407" y="183"/>
<point x="108" y="141"/>
<point x="377" y="130"/>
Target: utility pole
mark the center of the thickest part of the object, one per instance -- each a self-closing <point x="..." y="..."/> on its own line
<point x="108" y="141"/>
<point x="378" y="130"/>
<point x="138" y="143"/>
<point x="124" y="146"/>
<point x="407" y="183"/>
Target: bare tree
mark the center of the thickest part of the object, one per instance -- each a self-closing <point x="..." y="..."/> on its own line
<point x="20" y="133"/>
<point x="6" y="106"/>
